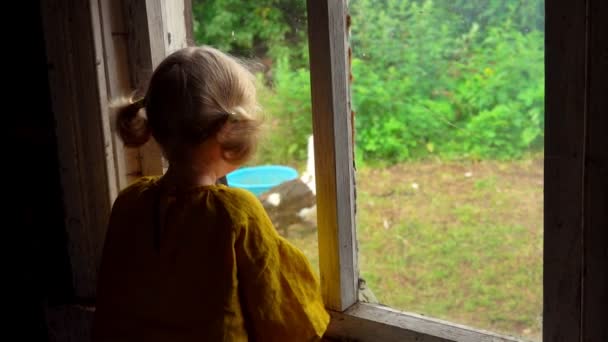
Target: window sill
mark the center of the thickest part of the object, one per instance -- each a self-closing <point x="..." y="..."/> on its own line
<point x="371" y="322"/>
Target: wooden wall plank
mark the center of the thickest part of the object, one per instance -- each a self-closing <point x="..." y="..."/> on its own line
<point x="595" y="272"/>
<point x="332" y="130"/>
<point x="176" y="27"/>
<point x="146" y="43"/>
<point x="155" y="28"/>
<point x="144" y="24"/>
<point x="565" y="109"/>
<point x="189" y="23"/>
<point x="116" y="61"/>
<point x="78" y="92"/>
<point x="100" y="124"/>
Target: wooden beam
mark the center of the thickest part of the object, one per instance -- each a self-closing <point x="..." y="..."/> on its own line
<point x="564" y="158"/>
<point x="85" y="148"/>
<point x="595" y="215"/>
<point x="145" y="31"/>
<point x="188" y="15"/>
<point x="115" y="40"/>
<point x="176" y="26"/>
<point x="146" y="42"/>
<point x="155" y="28"/>
<point x="332" y="130"/>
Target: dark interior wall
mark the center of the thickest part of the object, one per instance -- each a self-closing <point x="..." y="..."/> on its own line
<point x="35" y="208"/>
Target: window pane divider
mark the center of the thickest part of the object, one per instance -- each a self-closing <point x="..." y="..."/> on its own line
<point x="334" y="171"/>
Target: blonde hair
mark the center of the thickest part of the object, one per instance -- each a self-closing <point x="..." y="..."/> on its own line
<point x="192" y="94"/>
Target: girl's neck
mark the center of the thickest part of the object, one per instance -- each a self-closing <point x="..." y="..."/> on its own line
<point x="200" y="166"/>
<point x="188" y="176"/>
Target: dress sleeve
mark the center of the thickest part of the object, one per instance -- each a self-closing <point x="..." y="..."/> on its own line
<point x="280" y="293"/>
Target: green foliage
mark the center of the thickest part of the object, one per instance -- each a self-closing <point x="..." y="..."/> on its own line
<point x="453" y="79"/>
<point x="429" y="88"/>
<point x="288" y="116"/>
<point x="502" y="100"/>
<point x="399" y="78"/>
<point x="255" y="29"/>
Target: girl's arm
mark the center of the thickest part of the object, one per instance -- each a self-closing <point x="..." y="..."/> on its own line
<point x="280" y="293"/>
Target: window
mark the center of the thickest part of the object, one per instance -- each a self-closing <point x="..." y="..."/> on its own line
<point x="449" y="103"/>
<point x="575" y="186"/>
<point x="337" y="236"/>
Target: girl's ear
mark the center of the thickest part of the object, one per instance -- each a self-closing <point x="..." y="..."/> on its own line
<point x="218" y="138"/>
<point x="223" y="135"/>
<point x="227" y="156"/>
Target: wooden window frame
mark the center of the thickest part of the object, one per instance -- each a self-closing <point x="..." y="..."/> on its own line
<point x="95" y="166"/>
<point x="574" y="204"/>
<point x="335" y="171"/>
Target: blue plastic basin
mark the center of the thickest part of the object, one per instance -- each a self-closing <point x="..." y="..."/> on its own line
<point x="259" y="179"/>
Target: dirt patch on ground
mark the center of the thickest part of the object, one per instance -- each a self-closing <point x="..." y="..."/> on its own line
<point x="412" y="186"/>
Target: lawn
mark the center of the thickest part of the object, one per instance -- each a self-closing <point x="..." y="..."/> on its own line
<point x="460" y="241"/>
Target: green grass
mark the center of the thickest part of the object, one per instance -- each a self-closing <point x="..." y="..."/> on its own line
<point x="464" y="245"/>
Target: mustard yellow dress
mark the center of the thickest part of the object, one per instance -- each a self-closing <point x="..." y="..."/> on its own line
<point x="204" y="264"/>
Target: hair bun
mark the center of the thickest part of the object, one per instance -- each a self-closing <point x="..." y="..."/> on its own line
<point x="132" y="127"/>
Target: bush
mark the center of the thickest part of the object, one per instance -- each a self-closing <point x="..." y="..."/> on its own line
<point x="287" y="111"/>
<point x="455" y="79"/>
<point x="428" y="88"/>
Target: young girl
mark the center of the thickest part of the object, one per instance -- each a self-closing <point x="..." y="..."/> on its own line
<point x="187" y="259"/>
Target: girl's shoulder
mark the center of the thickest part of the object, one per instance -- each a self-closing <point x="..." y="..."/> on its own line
<point x="134" y="192"/>
<point x="242" y="206"/>
<point x="240" y="202"/>
<point x="138" y="186"/>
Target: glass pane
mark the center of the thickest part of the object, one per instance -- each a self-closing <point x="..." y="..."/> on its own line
<point x="271" y="37"/>
<point x="449" y="103"/>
